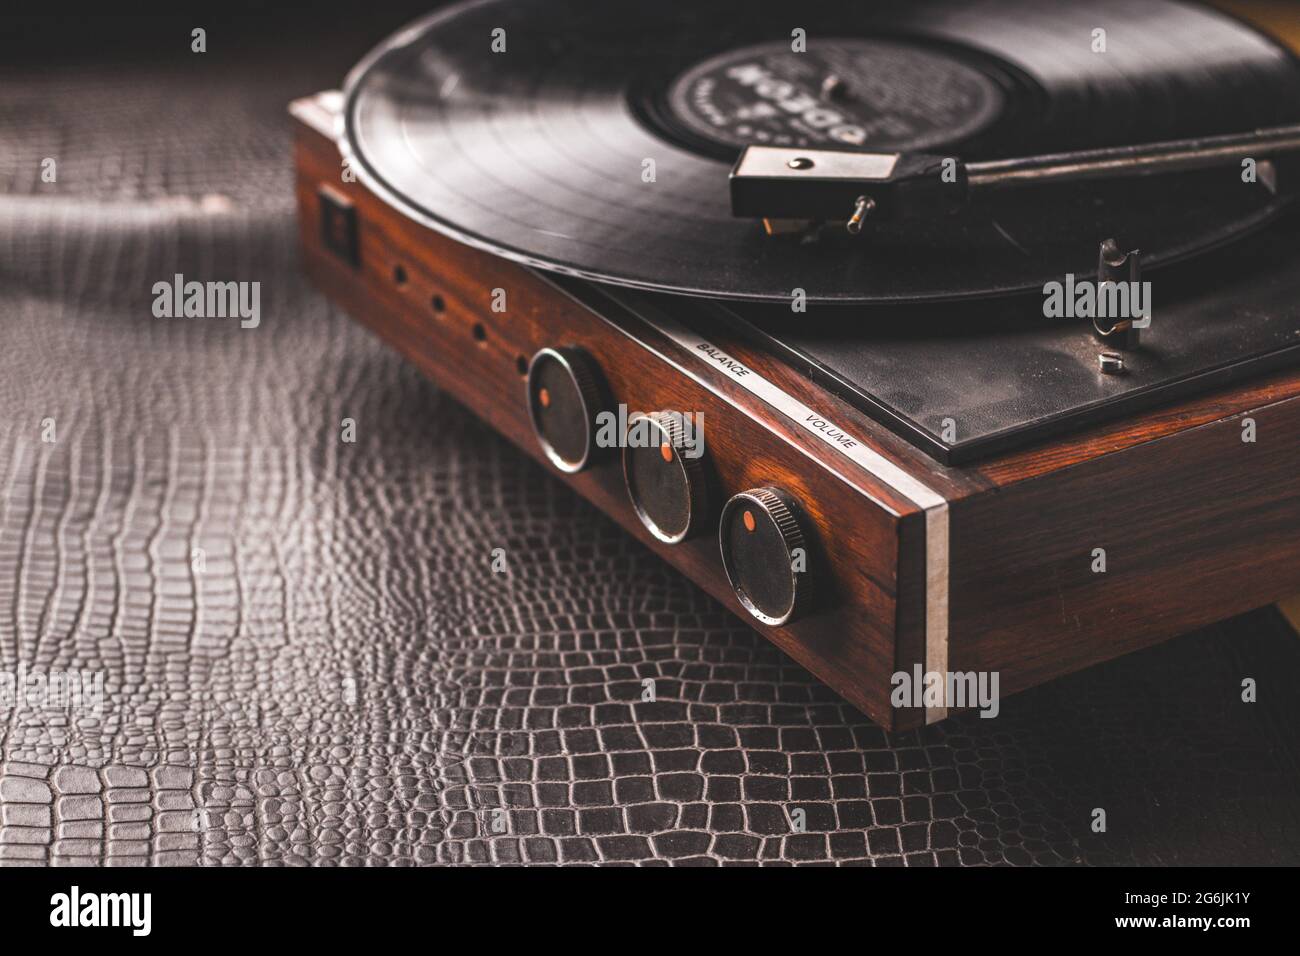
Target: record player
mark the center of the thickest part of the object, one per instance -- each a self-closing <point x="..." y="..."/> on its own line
<point x="822" y="304"/>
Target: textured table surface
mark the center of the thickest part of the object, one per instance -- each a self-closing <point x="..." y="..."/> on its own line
<point x="309" y="657"/>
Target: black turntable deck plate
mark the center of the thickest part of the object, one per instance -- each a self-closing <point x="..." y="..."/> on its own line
<point x="1005" y="375"/>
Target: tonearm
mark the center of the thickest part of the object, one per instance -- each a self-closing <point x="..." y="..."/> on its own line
<point x="784" y="185"/>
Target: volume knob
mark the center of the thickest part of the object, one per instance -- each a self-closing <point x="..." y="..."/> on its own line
<point x="766" y="555"/>
<point x="565" y="393"/>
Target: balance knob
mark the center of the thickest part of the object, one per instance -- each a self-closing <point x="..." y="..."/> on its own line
<point x="663" y="469"/>
<point x="766" y="555"/>
<point x="565" y="393"/>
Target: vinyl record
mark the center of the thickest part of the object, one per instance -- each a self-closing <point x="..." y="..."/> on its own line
<point x="595" y="138"/>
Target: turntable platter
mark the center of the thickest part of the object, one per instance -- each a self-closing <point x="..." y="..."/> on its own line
<point x="537" y="131"/>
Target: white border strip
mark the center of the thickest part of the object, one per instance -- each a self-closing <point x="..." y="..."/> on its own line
<point x="933" y="503"/>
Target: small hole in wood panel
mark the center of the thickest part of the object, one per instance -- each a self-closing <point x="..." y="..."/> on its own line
<point x="438" y="304"/>
<point x="521" y="365"/>
<point x="399" y="275"/>
<point x="480" y="333"/>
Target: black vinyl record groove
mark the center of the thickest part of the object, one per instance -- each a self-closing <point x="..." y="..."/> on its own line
<point x="541" y="152"/>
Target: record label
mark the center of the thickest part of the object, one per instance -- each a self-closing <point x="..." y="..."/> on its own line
<point x="841" y="92"/>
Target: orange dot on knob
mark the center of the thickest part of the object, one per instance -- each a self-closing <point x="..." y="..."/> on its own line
<point x="666" y="450"/>
<point x="544" y="397"/>
<point x="749" y="521"/>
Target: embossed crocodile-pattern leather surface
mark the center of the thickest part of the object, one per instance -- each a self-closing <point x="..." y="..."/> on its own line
<point x="311" y="659"/>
